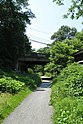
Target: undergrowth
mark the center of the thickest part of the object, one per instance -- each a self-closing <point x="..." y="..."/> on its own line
<point x="14" y="88"/>
<point x="67" y="96"/>
<point x="13" y="82"/>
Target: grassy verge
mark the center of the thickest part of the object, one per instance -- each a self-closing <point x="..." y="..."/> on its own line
<point x="67" y="96"/>
<point x="10" y="100"/>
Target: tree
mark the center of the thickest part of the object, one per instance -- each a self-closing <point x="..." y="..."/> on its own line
<point x="79" y="35"/>
<point x="39" y="68"/>
<point x="75" y="10"/>
<point x="13" y="41"/>
<point x="77" y="42"/>
<point x="62" y="53"/>
<point x="64" y="32"/>
<point x="45" y="50"/>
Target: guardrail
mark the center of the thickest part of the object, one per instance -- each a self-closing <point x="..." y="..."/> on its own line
<point x="37" y="55"/>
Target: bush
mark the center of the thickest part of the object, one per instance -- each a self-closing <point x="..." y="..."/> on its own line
<point x="7" y="84"/>
<point x="68" y="111"/>
<point x="13" y="82"/>
<point x="72" y="77"/>
<point x="20" y="85"/>
<point x="67" y="95"/>
<point x="8" y="102"/>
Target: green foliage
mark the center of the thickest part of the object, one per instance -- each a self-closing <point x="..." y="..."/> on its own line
<point x="73" y="78"/>
<point x="38" y="69"/>
<point x="67" y="95"/>
<point x="14" y="88"/>
<point x="75" y="10"/>
<point x="64" y="32"/>
<point x="30" y="71"/>
<point x="79" y="35"/>
<point x="76" y="44"/>
<point x="9" y="102"/>
<point x="45" y="50"/>
<point x="13" y="82"/>
<point x="51" y="70"/>
<point x="13" y="20"/>
<point x="62" y="53"/>
<point x="69" y="111"/>
<point x="7" y="84"/>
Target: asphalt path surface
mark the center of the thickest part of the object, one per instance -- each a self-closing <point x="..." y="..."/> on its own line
<point x="35" y="109"/>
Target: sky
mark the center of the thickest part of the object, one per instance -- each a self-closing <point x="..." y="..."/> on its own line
<point x="49" y="18"/>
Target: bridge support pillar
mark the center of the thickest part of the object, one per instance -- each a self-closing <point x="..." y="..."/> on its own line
<point x="18" y="67"/>
<point x="43" y="70"/>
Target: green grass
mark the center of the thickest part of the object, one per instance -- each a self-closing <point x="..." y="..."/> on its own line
<point x="66" y="97"/>
<point x="67" y="109"/>
<point x="9" y="102"/>
<point x="9" y="82"/>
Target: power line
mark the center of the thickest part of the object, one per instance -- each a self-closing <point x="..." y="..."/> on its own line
<point x="39" y="42"/>
<point x="39" y="37"/>
<point x="39" y="31"/>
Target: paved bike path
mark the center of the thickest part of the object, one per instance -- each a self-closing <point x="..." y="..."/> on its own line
<point x="35" y="109"/>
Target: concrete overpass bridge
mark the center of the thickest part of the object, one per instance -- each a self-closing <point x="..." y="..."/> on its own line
<point x="32" y="59"/>
<point x="28" y="60"/>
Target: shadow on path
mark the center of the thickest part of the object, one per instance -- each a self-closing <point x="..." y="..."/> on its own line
<point x="44" y="85"/>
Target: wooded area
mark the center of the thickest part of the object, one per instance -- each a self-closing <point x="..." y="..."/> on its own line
<point x="13" y="41"/>
<point x="67" y="75"/>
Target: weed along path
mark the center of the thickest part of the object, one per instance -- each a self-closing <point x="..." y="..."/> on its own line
<point x="35" y="109"/>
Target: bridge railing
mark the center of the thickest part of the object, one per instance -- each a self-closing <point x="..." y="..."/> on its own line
<point x="37" y="55"/>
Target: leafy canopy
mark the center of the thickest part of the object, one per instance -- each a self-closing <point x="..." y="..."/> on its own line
<point x="62" y="54"/>
<point x="75" y="10"/>
<point x="64" y="32"/>
<point x="67" y="95"/>
<point x="44" y="50"/>
<point x="13" y="20"/>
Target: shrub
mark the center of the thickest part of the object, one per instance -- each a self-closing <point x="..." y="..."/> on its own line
<point x="7" y="84"/>
<point x="20" y="85"/>
<point x="72" y="77"/>
<point x="67" y="95"/>
<point x="68" y="111"/>
<point x="13" y="82"/>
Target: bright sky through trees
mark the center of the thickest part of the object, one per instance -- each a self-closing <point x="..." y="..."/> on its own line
<point x="49" y="18"/>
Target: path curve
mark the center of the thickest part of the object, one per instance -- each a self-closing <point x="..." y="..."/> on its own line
<point x="35" y="109"/>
